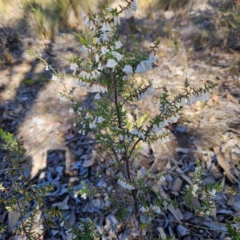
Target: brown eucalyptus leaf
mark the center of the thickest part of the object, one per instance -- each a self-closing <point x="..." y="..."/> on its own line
<point x="222" y="161"/>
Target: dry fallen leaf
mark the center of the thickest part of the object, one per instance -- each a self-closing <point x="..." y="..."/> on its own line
<point x="223" y="163"/>
<point x="62" y="205"/>
<point x="88" y="163"/>
<point x="170" y="207"/>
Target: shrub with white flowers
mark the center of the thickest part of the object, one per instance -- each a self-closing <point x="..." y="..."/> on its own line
<point x="205" y="193"/>
<point x="107" y="71"/>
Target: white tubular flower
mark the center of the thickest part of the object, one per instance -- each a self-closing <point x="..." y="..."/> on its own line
<point x="111" y="63"/>
<point x="95" y="88"/>
<point x="76" y="194"/>
<point x="128" y="13"/>
<point x="100" y="67"/>
<point x="142" y="96"/>
<point x="105" y="36"/>
<point x="213" y="193"/>
<point x="147" y="64"/>
<point x="47" y="68"/>
<point x="87" y="116"/>
<point x="73" y="66"/>
<point x="86" y="19"/>
<point x="54" y="77"/>
<point x="64" y="99"/>
<point x="83" y="48"/>
<point x="133" y="6"/>
<point x="141" y="135"/>
<point x="183" y="100"/>
<point x="134" y="131"/>
<point x="96" y="58"/>
<point x="118" y="44"/>
<point x="117" y="55"/>
<point x="84" y="196"/>
<point x="100" y="119"/>
<point x="156" y="209"/>
<point x="139" y="69"/>
<point x="116" y="20"/>
<point x="104" y="50"/>
<point x="120" y="137"/>
<point x="128" y="69"/>
<point x="125" y="185"/>
<point x="189" y="100"/>
<point x="71" y="111"/>
<point x="150" y="90"/>
<point x="92" y="124"/>
<point x="95" y="74"/>
<point x="144" y="210"/>
<point x="106" y="27"/>
<point x="152" y="58"/>
<point x="206" y="96"/>
<point x="165" y="139"/>
<point x="91" y="25"/>
<point x="156" y="128"/>
<point x="97" y="96"/>
<point x="103" y="89"/>
<point x="84" y="74"/>
<point x="162" y="178"/>
<point x="83" y="15"/>
<point x="144" y="66"/>
<point x="194" y="190"/>
<point x="173" y="119"/>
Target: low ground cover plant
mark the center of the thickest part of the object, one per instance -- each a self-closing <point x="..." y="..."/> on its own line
<point x="108" y="72"/>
